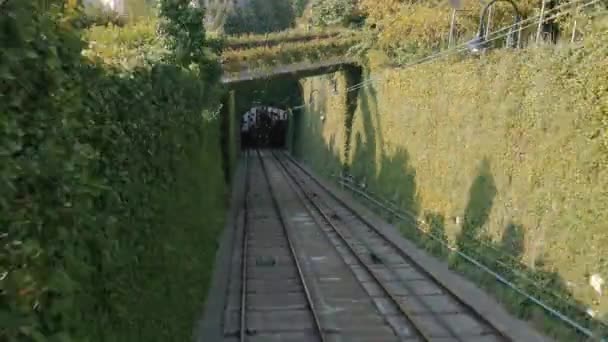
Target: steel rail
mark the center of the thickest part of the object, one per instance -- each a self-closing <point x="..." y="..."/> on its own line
<point x="439" y="319"/>
<point x="396" y="248"/>
<point x="243" y="322"/>
<point x="306" y="204"/>
<point x="408" y="314"/>
<point x="404" y="215"/>
<point x="294" y="255"/>
<point x="409" y="217"/>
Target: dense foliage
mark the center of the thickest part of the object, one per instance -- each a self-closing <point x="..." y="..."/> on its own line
<point x="275" y="38"/>
<point x="260" y="16"/>
<point x="335" y="13"/>
<point x="111" y="190"/>
<point x="100" y="17"/>
<point x="281" y="54"/>
<point x="409" y="30"/>
<point x="96" y="14"/>
<point x="138" y="45"/>
<point x="504" y="157"/>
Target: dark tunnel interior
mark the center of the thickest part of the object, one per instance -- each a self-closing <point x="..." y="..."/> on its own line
<point x="264" y="127"/>
<point x="263" y="109"/>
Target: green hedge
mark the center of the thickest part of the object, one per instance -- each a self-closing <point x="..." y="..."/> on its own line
<point x="137" y="45"/>
<point x="111" y="189"/>
<point x="504" y="156"/>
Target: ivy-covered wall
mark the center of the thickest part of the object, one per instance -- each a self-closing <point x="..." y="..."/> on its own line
<point x="112" y="191"/>
<point x="503" y="156"/>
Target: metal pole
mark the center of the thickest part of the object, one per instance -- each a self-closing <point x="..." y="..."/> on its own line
<point x="573" y="32"/>
<point x="453" y="21"/>
<point x="489" y="22"/>
<point x="519" y="44"/>
<point x="574" y="25"/>
<point x="540" y="23"/>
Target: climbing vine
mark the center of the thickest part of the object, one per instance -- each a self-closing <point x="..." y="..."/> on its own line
<point x="105" y="196"/>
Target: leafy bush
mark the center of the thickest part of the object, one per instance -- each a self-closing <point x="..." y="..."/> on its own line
<point x="100" y="17"/>
<point x="111" y="191"/>
<point x="407" y="30"/>
<point x="96" y="14"/>
<point x="138" y="45"/>
<point x="335" y="12"/>
<point x="260" y="16"/>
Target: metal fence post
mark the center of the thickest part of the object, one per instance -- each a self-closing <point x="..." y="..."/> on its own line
<point x="540" y="22"/>
<point x="452" y="24"/>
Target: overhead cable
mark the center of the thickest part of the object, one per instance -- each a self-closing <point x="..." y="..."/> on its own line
<point x="532" y="21"/>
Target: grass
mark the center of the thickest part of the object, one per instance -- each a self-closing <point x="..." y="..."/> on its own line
<point x="312" y="51"/>
<point x="502" y="156"/>
<point x="254" y="40"/>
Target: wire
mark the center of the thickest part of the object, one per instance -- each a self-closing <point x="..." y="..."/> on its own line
<point x="501" y="252"/>
<point x="532" y="21"/>
<point x="462" y="47"/>
<point x="497" y="276"/>
<point x="457" y="49"/>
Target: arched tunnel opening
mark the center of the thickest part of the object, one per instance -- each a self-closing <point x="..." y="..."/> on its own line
<point x="264" y="112"/>
<point x="268" y="113"/>
<point x="264" y="127"/>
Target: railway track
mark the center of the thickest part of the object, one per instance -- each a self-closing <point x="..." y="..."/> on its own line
<point x="334" y="278"/>
<point x="274" y="300"/>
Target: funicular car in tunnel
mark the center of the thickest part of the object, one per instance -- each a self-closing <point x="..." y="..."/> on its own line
<point x="264" y="127"/>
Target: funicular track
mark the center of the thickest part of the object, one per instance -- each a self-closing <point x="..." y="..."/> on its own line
<point x="431" y="309"/>
<point x="274" y="301"/>
<point x="281" y="297"/>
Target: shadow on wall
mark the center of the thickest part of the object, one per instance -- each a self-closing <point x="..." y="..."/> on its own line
<point x="309" y="143"/>
<point x="505" y="258"/>
<point x="353" y="77"/>
<point x="229" y="135"/>
<point x="394" y="178"/>
<point x="481" y="199"/>
<point x="372" y="141"/>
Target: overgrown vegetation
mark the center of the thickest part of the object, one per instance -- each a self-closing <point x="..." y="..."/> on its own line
<point x="405" y="31"/>
<point x="260" y="16"/>
<point x="504" y="157"/>
<point x="313" y="51"/>
<point x="138" y="45"/>
<point x="255" y="40"/>
<point x="111" y="183"/>
<point x="96" y="14"/>
<point x="336" y="13"/>
<point x="262" y="34"/>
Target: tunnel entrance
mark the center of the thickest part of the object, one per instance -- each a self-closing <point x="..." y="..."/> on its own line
<point x="264" y="127"/>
